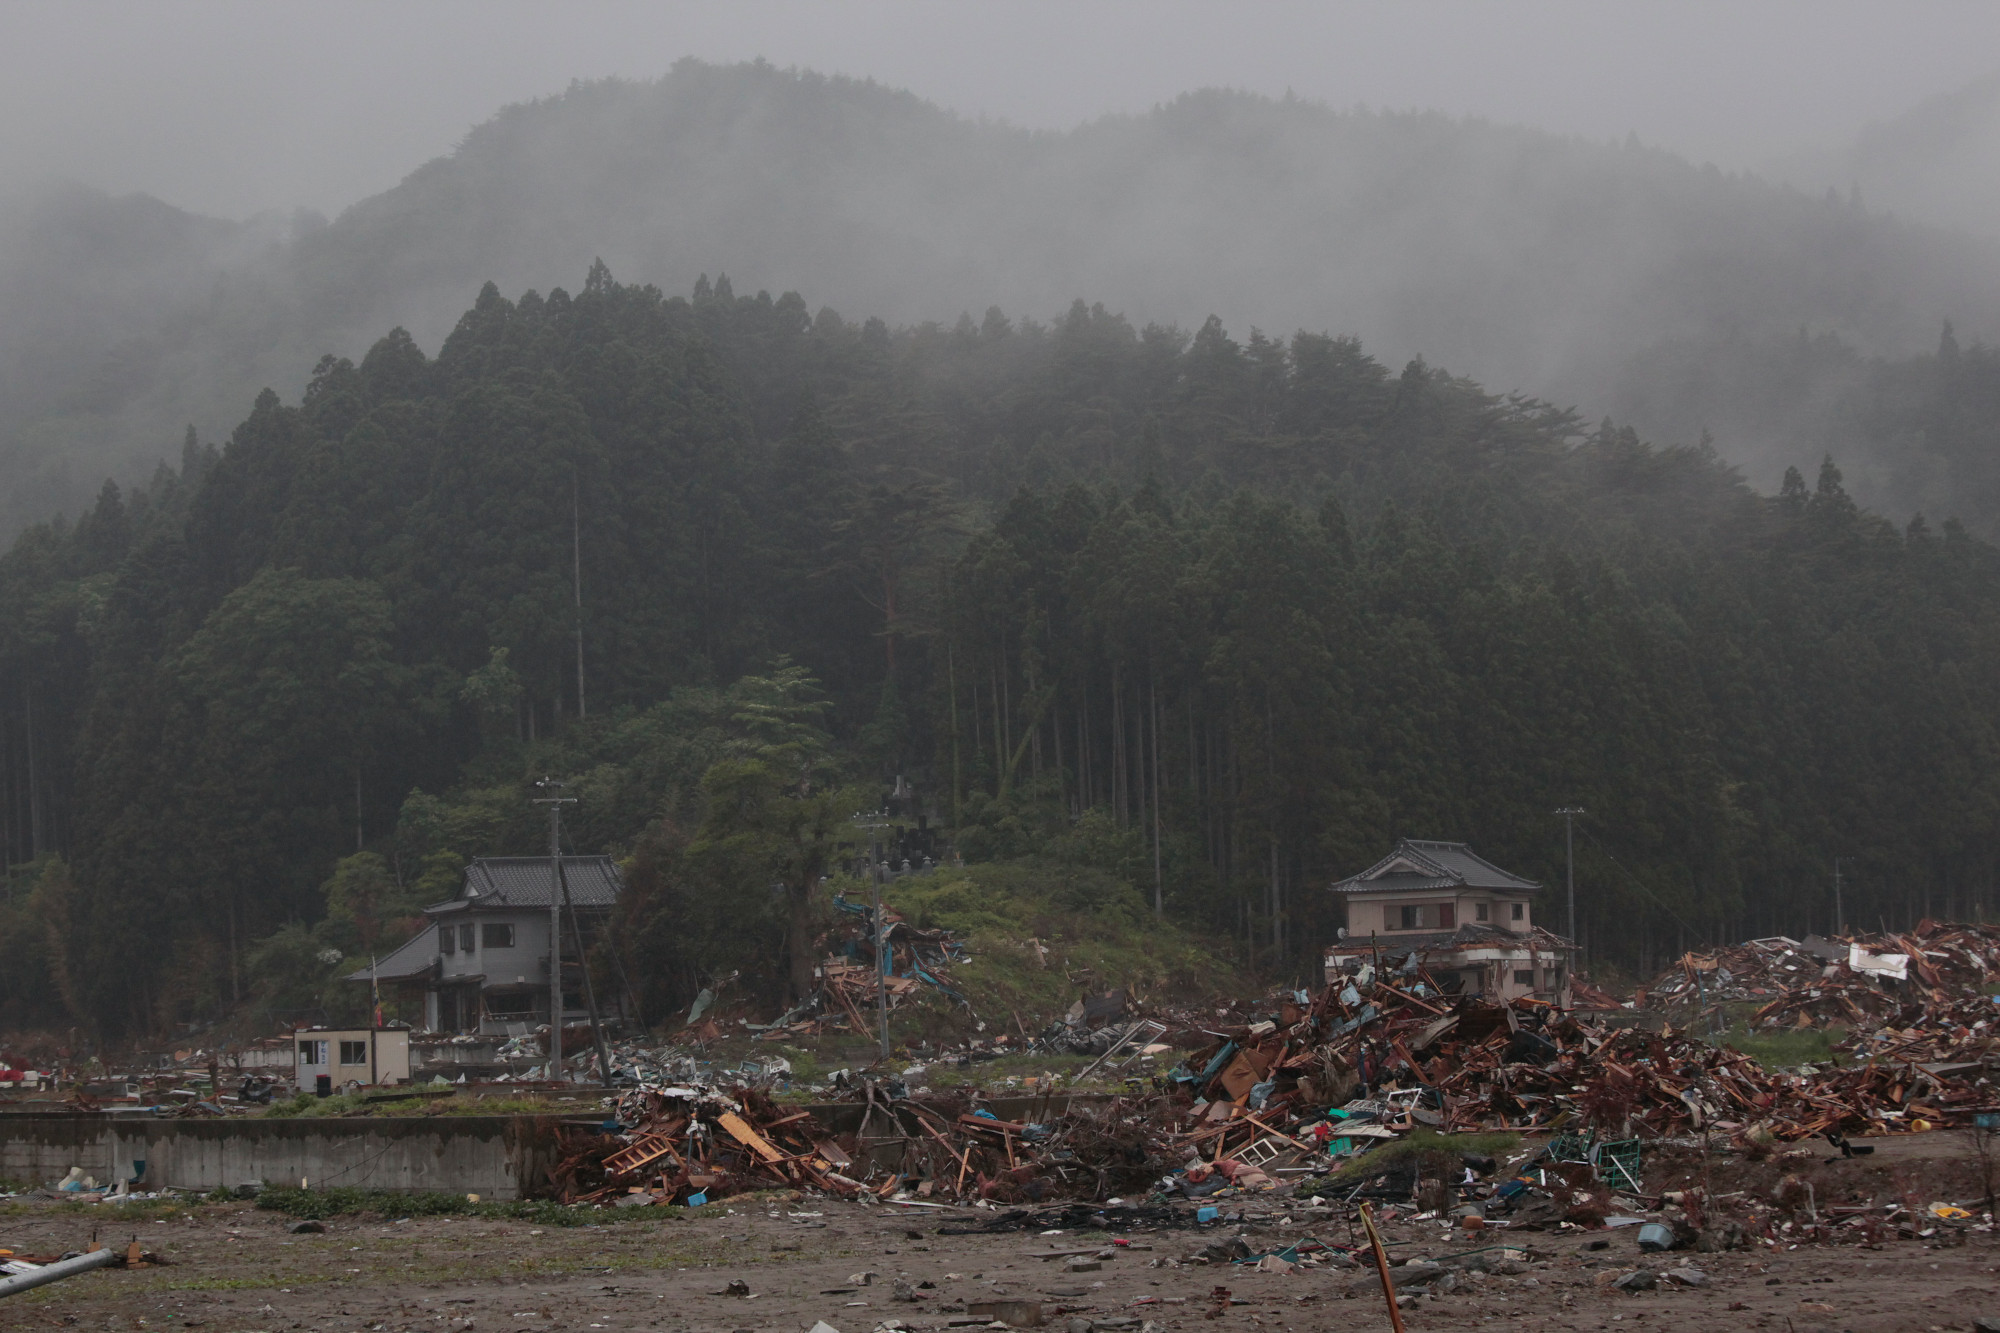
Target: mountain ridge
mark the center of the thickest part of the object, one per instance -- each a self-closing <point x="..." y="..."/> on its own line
<point x="1529" y="260"/>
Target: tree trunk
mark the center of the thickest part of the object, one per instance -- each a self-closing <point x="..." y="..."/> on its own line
<point x="1117" y="749"/>
<point x="1271" y="776"/>
<point x="957" y="782"/>
<point x="1159" y="882"/>
<point x="799" y="938"/>
<point x="34" y="778"/>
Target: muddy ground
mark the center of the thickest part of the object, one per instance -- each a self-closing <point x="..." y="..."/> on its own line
<point x="234" y="1268"/>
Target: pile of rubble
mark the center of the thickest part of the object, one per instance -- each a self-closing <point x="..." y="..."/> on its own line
<point x="1850" y="980"/>
<point x="911" y="962"/>
<point x="1293" y="1095"/>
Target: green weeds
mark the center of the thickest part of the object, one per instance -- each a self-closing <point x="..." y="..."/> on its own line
<point x="1785" y="1047"/>
<point x="318" y="1205"/>
<point x="1438" y="1152"/>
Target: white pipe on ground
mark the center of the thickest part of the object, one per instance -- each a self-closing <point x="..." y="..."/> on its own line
<point x="59" y="1270"/>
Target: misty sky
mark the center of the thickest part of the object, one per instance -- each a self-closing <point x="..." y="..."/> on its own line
<point x="234" y="108"/>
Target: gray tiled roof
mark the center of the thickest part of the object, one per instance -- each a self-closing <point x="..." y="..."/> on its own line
<point x="1434" y="865"/>
<point x="529" y="881"/>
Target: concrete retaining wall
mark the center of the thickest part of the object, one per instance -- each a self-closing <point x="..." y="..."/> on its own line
<point x="496" y="1157"/>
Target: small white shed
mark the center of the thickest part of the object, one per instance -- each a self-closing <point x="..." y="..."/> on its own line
<point x="375" y="1056"/>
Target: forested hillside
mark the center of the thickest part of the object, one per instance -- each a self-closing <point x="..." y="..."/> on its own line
<point x="1619" y="277"/>
<point x="1214" y="614"/>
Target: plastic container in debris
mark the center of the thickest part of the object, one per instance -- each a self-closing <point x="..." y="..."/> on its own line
<point x="1207" y="1214"/>
<point x="697" y="1199"/>
<point x="1656" y="1236"/>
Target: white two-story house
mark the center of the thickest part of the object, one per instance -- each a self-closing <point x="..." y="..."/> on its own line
<point x="1470" y="923"/>
<point x="482" y="962"/>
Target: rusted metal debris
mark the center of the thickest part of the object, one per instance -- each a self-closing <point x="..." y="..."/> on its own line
<point x="1839" y="981"/>
<point x="1314" y="1079"/>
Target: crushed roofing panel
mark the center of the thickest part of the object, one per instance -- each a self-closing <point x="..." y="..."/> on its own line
<point x="408" y="963"/>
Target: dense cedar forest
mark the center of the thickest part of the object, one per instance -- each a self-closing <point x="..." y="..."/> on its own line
<point x="1220" y="615"/>
<point x="1666" y="293"/>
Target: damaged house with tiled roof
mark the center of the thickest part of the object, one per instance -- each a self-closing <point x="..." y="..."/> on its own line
<point x="1460" y="918"/>
<point x="481" y="963"/>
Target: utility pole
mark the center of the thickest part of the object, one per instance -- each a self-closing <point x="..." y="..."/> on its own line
<point x="874" y="821"/>
<point x="556" y="887"/>
<point x="576" y="579"/>
<point x="1569" y="814"/>
<point x="1839" y="917"/>
<point x="589" y="989"/>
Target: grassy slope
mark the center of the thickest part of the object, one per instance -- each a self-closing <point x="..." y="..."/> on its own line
<point x="1095" y="933"/>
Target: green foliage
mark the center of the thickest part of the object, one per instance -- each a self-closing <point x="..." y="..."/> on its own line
<point x="280" y="696"/>
<point x="1597" y="270"/>
<point x="1438" y="1153"/>
<point x="306" y="1104"/>
<point x="33" y="921"/>
<point x="362" y="896"/>
<point x="1783" y="1048"/>
<point x="319" y="1205"/>
<point x="294" y="974"/>
<point x="1042" y="933"/>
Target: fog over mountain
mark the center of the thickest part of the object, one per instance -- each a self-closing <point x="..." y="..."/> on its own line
<point x="1619" y="278"/>
<point x="1187" y="487"/>
<point x="1937" y="163"/>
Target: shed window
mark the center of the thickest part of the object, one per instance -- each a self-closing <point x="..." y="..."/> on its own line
<point x="312" y="1052"/>
<point x="496" y="935"/>
<point x="354" y="1052"/>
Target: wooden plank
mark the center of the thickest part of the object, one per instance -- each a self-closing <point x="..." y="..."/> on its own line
<point x="1277" y="1132"/>
<point x="648" y="1149"/>
<point x="739" y="1129"/>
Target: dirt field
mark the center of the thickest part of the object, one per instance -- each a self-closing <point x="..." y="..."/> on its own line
<point x="235" y="1268"/>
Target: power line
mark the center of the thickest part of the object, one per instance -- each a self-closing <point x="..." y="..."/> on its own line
<point x="1654" y="897"/>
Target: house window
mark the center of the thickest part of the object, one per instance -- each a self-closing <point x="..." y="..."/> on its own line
<point x="354" y="1052"/>
<point x="1555" y="978"/>
<point x="447" y="940"/>
<point x="465" y="939"/>
<point x="514" y="1004"/>
<point x="1412" y="917"/>
<point x="1519" y="911"/>
<point x="1447" y="916"/>
<point x="1423" y="916"/>
<point x="496" y="935"/>
<point x="1479" y="911"/>
<point x="1525" y="979"/>
<point x="312" y="1052"/>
